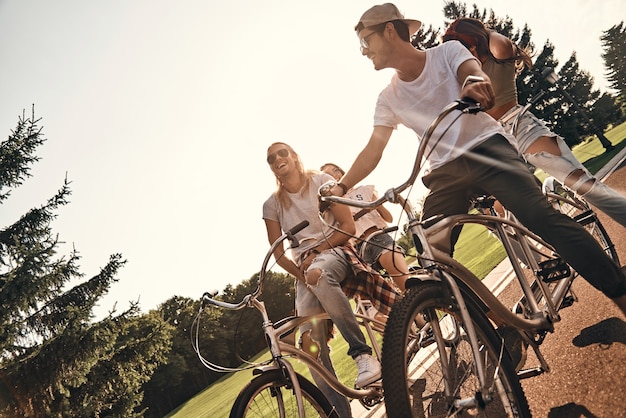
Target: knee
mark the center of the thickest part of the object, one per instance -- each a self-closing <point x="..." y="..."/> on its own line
<point x="580" y="181"/>
<point x="312" y="277"/>
<point x="310" y="345"/>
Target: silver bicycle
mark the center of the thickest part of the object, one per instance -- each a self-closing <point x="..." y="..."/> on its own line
<point x="277" y="390"/>
<point x="475" y="364"/>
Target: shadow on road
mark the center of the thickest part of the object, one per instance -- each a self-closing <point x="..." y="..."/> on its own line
<point x="605" y="333"/>
<point x="570" y="410"/>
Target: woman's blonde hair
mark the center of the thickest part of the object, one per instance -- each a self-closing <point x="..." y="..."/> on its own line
<point x="305" y="175"/>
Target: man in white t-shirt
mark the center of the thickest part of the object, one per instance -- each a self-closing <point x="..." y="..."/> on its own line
<point x="470" y="156"/>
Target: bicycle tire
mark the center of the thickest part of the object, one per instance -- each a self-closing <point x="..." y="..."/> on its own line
<point x="269" y="395"/>
<point x="590" y="221"/>
<point x="586" y="217"/>
<point x="402" y="386"/>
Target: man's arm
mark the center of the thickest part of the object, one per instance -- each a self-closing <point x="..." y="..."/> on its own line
<point x="481" y="91"/>
<point x="385" y="214"/>
<point x="367" y="160"/>
<point x="345" y="223"/>
<point x="345" y="230"/>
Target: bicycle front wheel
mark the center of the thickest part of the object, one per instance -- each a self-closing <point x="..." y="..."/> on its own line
<point x="415" y="386"/>
<point x="269" y="395"/>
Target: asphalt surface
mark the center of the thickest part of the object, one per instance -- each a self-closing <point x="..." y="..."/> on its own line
<point x="587" y="352"/>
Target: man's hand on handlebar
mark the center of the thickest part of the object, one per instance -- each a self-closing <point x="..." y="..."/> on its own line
<point x="330" y="188"/>
<point x="480" y="90"/>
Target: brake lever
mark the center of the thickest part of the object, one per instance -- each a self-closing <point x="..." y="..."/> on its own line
<point x="468" y="105"/>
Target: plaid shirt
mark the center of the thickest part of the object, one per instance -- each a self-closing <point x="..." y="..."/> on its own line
<point x="366" y="283"/>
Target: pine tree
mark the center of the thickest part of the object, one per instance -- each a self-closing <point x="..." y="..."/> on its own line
<point x="614" y="55"/>
<point x="54" y="361"/>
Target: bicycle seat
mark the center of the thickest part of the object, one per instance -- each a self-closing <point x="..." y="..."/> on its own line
<point x="483" y="201"/>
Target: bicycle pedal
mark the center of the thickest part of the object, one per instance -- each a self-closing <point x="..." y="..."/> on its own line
<point x="553" y="270"/>
<point x="528" y="373"/>
<point x="369" y="402"/>
<point x="567" y="302"/>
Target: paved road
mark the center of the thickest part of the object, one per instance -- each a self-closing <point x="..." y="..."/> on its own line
<point x="587" y="352"/>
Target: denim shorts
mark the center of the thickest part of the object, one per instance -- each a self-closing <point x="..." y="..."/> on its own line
<point x="529" y="129"/>
<point x="376" y="246"/>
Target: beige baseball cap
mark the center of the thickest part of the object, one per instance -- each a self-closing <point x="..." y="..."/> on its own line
<point x="385" y="13"/>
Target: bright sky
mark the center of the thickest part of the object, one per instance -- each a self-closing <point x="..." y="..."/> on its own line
<point x="160" y="114"/>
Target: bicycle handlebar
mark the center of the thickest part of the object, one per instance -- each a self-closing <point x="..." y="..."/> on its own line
<point x="209" y="297"/>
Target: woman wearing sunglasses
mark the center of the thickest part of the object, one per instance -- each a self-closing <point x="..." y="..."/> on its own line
<point x="325" y="266"/>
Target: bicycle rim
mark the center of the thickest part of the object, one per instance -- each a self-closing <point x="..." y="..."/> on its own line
<point x="596" y="229"/>
<point x="269" y="396"/>
<point x="415" y="387"/>
<point x="589" y="220"/>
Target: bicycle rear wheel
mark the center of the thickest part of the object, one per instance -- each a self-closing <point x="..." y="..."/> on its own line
<point x="269" y="395"/>
<point x="579" y="209"/>
<point x="589" y="219"/>
<point x="415" y="387"/>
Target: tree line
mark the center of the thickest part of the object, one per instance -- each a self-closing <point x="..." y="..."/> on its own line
<point x="599" y="109"/>
<point x="56" y="361"/>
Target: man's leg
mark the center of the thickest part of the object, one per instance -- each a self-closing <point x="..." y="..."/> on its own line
<point x="563" y="165"/>
<point x="450" y="194"/>
<point x="315" y="343"/>
<point x="508" y="179"/>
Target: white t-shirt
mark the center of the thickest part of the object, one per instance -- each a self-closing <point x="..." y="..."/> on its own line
<point x="417" y="103"/>
<point x="304" y="206"/>
<point x="372" y="218"/>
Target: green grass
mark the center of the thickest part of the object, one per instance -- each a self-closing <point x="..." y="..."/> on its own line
<point x="217" y="400"/>
<point x="477" y="249"/>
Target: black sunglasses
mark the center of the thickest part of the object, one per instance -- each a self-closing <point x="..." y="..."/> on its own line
<point x="283" y="152"/>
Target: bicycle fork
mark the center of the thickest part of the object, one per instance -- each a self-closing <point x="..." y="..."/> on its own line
<point x="285" y="367"/>
<point x="484" y="394"/>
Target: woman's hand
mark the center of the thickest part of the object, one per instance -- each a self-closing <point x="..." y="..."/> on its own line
<point x="306" y="263"/>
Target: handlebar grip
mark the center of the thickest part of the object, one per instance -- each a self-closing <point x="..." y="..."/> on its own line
<point x="468" y="105"/>
<point x="298" y="228"/>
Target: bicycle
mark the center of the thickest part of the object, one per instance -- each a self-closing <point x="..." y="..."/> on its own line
<point x="572" y="204"/>
<point x="469" y="368"/>
<point x="278" y="390"/>
<point x="562" y="197"/>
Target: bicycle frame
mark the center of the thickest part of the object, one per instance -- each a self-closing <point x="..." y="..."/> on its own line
<point x="280" y="350"/>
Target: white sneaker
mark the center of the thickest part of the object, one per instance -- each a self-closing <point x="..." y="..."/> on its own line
<point x="368" y="370"/>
